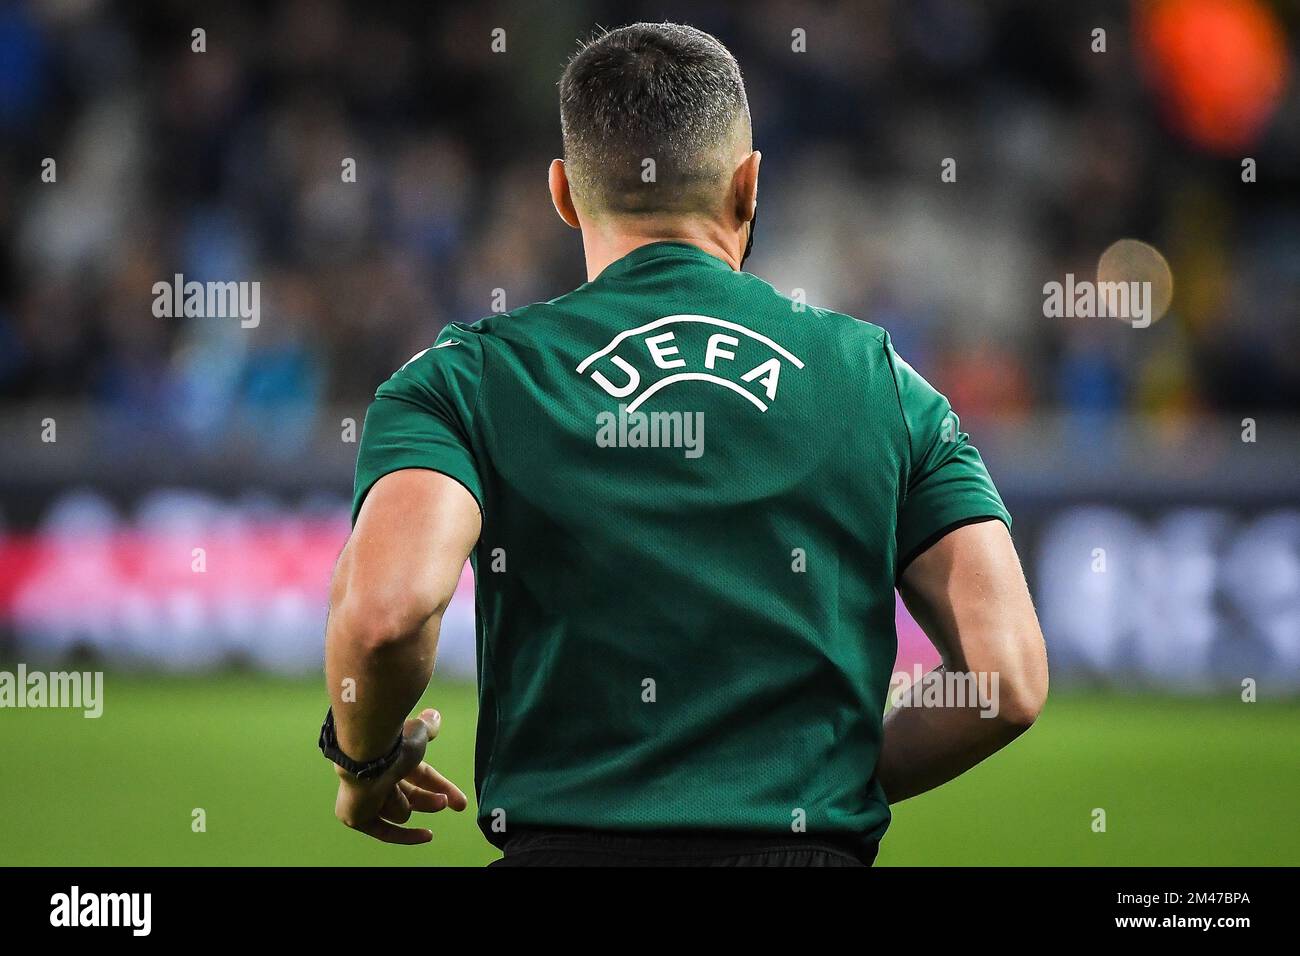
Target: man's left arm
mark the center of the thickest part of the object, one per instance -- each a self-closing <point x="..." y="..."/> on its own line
<point x="393" y="582"/>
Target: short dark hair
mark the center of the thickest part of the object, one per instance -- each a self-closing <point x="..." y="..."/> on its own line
<point x="659" y="91"/>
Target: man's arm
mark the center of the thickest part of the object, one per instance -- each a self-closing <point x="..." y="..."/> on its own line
<point x="968" y="593"/>
<point x="393" y="581"/>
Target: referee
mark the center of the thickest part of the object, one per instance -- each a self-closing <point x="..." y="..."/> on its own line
<point x="687" y="500"/>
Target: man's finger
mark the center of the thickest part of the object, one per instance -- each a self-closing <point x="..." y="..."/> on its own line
<point x="426" y="778"/>
<point x="416" y="734"/>
<point x="430" y="718"/>
<point x="392" y="833"/>
<point x="425" y="801"/>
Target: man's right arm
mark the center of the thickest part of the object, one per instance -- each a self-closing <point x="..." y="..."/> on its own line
<point x="968" y="593"/>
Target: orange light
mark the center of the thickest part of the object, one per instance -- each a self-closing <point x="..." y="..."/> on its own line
<point x="1219" y="66"/>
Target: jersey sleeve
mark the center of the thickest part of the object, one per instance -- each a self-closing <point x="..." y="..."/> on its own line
<point x="422" y="417"/>
<point x="947" y="484"/>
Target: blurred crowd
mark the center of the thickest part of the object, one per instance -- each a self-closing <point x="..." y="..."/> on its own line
<point x="231" y="164"/>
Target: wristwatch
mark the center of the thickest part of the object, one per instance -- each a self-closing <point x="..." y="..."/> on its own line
<point x="370" y="769"/>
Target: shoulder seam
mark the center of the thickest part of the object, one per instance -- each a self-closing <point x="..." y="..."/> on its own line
<point x="902" y="413"/>
<point x="478" y="389"/>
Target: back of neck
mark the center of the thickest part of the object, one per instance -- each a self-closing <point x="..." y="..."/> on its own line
<point x="603" y="246"/>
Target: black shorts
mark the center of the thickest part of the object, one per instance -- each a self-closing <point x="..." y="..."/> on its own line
<point x="603" y="848"/>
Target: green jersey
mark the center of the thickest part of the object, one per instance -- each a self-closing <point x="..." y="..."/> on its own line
<point x="697" y="497"/>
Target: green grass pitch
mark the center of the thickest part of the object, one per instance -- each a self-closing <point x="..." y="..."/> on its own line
<point x="1182" y="782"/>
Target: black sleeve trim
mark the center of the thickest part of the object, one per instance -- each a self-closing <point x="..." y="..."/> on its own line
<point x="356" y="510"/>
<point x="938" y="536"/>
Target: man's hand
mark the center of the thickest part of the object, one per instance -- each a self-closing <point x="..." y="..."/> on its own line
<point x="376" y="807"/>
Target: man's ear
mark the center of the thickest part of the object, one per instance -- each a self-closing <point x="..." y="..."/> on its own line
<point x="560" y="196"/>
<point x="745" y="187"/>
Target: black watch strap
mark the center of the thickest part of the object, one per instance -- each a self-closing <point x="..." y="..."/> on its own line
<point x="370" y="769"/>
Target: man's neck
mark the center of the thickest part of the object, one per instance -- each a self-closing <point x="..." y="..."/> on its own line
<point x="605" y="243"/>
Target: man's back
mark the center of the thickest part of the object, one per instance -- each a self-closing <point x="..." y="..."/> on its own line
<point x="687" y="502"/>
<point x="697" y="497"/>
